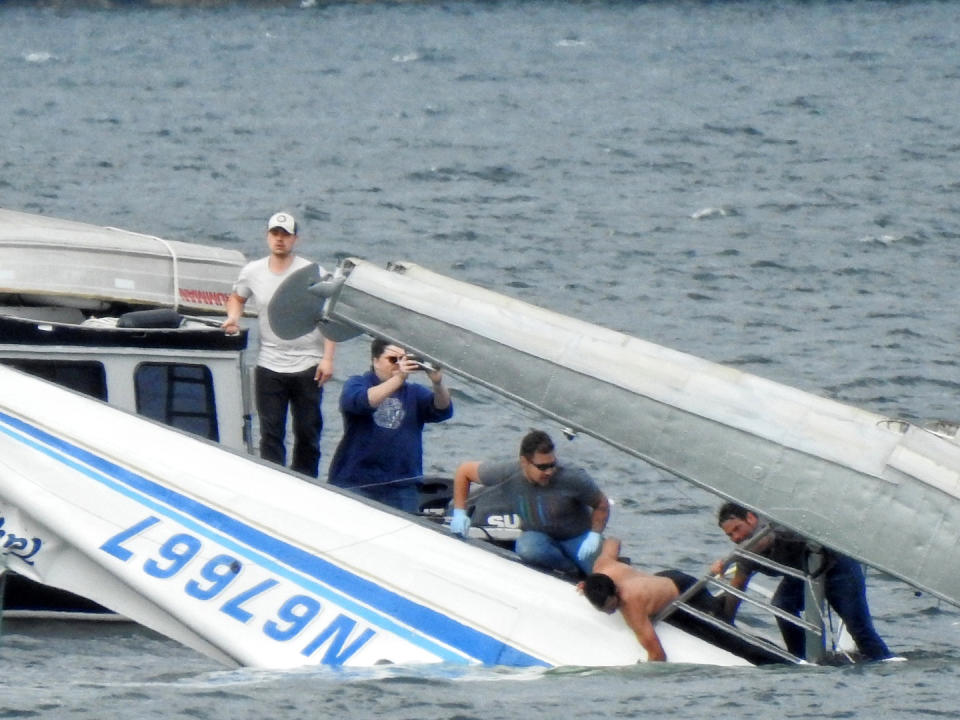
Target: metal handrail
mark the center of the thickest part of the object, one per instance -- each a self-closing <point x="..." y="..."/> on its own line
<point x="754" y="640"/>
<point x="744" y="551"/>
<point x="702" y="582"/>
<point x="783" y="614"/>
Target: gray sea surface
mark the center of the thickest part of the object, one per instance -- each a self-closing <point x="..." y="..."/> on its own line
<point x="769" y="185"/>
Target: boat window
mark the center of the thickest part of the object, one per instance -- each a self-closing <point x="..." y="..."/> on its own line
<point x="179" y="395"/>
<point x="86" y="377"/>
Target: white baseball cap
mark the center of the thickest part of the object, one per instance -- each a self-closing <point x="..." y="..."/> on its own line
<point x="283" y="220"/>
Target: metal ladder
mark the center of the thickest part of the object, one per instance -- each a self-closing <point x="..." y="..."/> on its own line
<point x="812" y="623"/>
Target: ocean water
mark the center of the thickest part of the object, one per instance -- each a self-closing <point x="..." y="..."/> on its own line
<point x="769" y="185"/>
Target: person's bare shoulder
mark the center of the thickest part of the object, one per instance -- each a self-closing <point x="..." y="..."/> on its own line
<point x="650" y="592"/>
<point x="608" y="566"/>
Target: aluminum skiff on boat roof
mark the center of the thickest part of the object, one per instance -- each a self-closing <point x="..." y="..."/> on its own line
<point x="49" y="261"/>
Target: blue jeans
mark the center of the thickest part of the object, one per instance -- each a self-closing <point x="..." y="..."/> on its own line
<point x="846" y="591"/>
<point x="275" y="391"/>
<point x="537" y="548"/>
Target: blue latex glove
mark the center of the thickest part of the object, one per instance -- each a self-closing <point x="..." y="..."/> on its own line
<point x="590" y="546"/>
<point x="460" y="523"/>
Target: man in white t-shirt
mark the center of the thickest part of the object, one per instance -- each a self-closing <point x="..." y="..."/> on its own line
<point x="289" y="373"/>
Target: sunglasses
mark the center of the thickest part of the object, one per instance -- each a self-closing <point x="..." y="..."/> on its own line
<point x="543" y="467"/>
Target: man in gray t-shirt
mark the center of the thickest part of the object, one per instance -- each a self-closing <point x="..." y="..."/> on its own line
<point x="562" y="511"/>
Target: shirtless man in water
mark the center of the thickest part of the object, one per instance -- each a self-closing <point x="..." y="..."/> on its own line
<point x="638" y="595"/>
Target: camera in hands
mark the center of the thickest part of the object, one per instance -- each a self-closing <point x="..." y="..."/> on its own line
<point x="421" y="363"/>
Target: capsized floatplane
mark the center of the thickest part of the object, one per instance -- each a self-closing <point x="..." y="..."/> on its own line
<point x="839" y="475"/>
<point x="254" y="566"/>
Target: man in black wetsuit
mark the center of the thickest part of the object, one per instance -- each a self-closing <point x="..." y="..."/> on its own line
<point x="844" y="583"/>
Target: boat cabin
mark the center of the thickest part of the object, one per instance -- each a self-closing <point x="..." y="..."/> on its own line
<point x="188" y="375"/>
<point x="127" y="318"/>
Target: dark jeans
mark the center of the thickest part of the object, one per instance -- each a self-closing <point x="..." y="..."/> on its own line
<point x="275" y="391"/>
<point x="846" y="591"/>
<point x="538" y="548"/>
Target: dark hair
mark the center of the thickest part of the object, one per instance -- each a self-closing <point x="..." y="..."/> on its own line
<point x="599" y="588"/>
<point x="730" y="510"/>
<point x="377" y="347"/>
<point x="535" y="441"/>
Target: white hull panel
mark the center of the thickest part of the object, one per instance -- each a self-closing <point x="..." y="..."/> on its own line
<point x="256" y="567"/>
